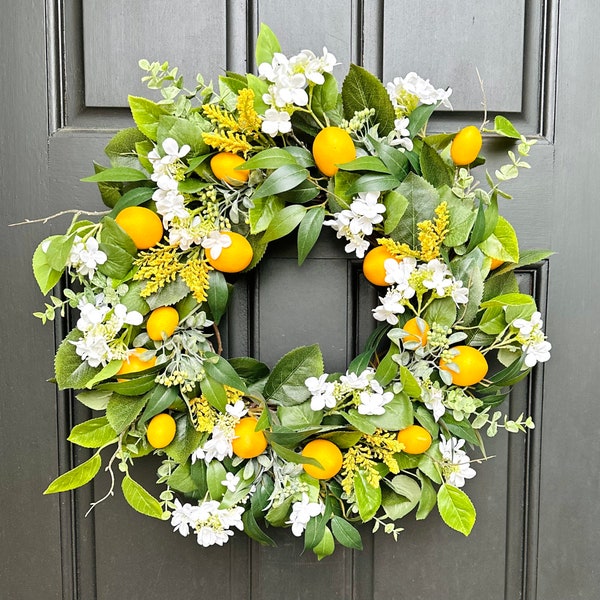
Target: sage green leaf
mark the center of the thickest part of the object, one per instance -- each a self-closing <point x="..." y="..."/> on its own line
<point x="422" y="201"/>
<point x="325" y="97"/>
<point x="70" y="371"/>
<point x="220" y="370"/>
<point x="517" y="299"/>
<point x="249" y="369"/>
<point x="309" y="230"/>
<point x="395" y="206"/>
<point x="263" y="211"/>
<point x="428" y="497"/>
<point x="284" y="222"/>
<point x="343" y="439"/>
<point x="395" y="505"/>
<point x="441" y="311"/>
<point x="45" y="276"/>
<point x="462" y="217"/>
<point x="181" y="479"/>
<point x="133" y="197"/>
<point x="281" y="180"/>
<point x="368" y="498"/>
<point x="395" y="160"/>
<point x="267" y="45"/>
<point x="122" y="411"/>
<point x="456" y="509"/>
<point x="277" y="515"/>
<point x="146" y="114"/>
<point x="112" y="233"/>
<point x="218" y="295"/>
<point x="94" y="399"/>
<point x="387" y="369"/>
<point x="118" y="262"/>
<point x="326" y="546"/>
<point x="301" y="155"/>
<point x="111" y="369"/>
<point x="271" y="158"/>
<point x="94" y="433"/>
<point x="76" y="477"/>
<point x="184" y="131"/>
<point x="468" y="269"/>
<point x="434" y="169"/>
<point x="345" y="533"/>
<point x="118" y="174"/>
<point x="303" y="193"/>
<point x="410" y="384"/>
<point x="158" y="400"/>
<point x="132" y="299"/>
<point x="170" y="294"/>
<point x="360" y="422"/>
<point x="361" y="90"/>
<point x="299" y="416"/>
<point x="139" y="499"/>
<point x="439" y="141"/>
<point x="58" y="251"/>
<point x="365" y="163"/>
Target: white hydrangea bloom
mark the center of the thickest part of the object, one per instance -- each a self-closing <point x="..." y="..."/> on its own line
<point x="322" y="392"/>
<point x="457" y="465"/>
<point x="372" y="401"/>
<point x="391" y="306"/>
<point x="400" y="136"/>
<point x="534" y="343"/>
<point x="216" y="241"/>
<point x="86" y="256"/>
<point x="302" y="512"/>
<point x="417" y="86"/>
<point x="276" y="121"/>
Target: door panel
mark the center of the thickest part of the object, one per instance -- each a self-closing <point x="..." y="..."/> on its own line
<point x="79" y="59"/>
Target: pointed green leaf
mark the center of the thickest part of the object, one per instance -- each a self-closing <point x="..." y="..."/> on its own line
<point x="368" y="498"/>
<point x="159" y="399"/>
<point x="345" y="533"/>
<point x="395" y="206"/>
<point x="271" y="158"/>
<point x="456" y="509"/>
<point x="133" y="197"/>
<point x="94" y="433"/>
<point x="434" y="169"/>
<point x="309" y="230"/>
<point x="139" y="499"/>
<point x="76" y="477"/>
<point x="267" y="45"/>
<point x="281" y="180"/>
<point x="118" y="174"/>
<point x="122" y="411"/>
<point x="284" y="222"/>
<point x="146" y="115"/>
<point x="69" y="370"/>
<point x="45" y="276"/>
<point x="218" y="295"/>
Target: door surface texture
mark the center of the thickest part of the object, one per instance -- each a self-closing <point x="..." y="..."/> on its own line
<point x="67" y="68"/>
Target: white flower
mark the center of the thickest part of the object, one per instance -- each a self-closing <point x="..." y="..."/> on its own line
<point x="90" y="315"/>
<point x="414" y="85"/>
<point x="398" y="273"/>
<point x="184" y="233"/>
<point x="173" y="151"/>
<point x="127" y="317"/>
<point x="358" y="381"/>
<point x="93" y="349"/>
<point x="438" y="277"/>
<point x="459" y="294"/>
<point x="537" y="352"/>
<point x="216" y="241"/>
<point x="170" y="204"/>
<point x="218" y="446"/>
<point x="182" y="517"/>
<point x="302" y="513"/>
<point x="86" y="256"/>
<point x="231" y="482"/>
<point x="400" y="136"/>
<point x="237" y="410"/>
<point x="432" y="398"/>
<point x="275" y="122"/>
<point x="391" y="306"/>
<point x="322" y="392"/>
<point x="456" y="467"/>
<point x="525" y="327"/>
<point x="372" y="403"/>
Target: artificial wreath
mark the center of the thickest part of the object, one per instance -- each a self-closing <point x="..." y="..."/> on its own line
<point x="195" y="191"/>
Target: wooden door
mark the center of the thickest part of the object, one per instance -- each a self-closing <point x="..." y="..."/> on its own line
<point x="68" y="67"/>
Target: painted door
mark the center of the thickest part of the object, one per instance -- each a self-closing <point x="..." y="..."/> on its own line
<point x="68" y="66"/>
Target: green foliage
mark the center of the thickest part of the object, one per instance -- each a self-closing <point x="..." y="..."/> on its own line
<point x="456" y="509"/>
<point x="139" y="499"/>
<point x="76" y="477"/>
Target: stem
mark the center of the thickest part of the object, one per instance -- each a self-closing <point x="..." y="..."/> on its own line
<point x="218" y="338"/>
<point x="60" y="214"/>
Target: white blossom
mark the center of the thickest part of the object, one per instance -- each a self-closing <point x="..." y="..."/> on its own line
<point x="537" y="352"/>
<point x="86" y="256"/>
<point x="416" y="86"/>
<point x="372" y="402"/>
<point x="302" y="512"/>
<point x="238" y="409"/>
<point x="231" y="482"/>
<point x="276" y="121"/>
<point x="438" y="277"/>
<point x="456" y="467"/>
<point x="216" y="241"/>
<point x="433" y="398"/>
<point x="391" y="306"/>
<point x="322" y="392"/>
<point x="400" y="136"/>
<point x="358" y="381"/>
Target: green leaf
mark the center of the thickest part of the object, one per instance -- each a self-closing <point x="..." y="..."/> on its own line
<point x="122" y="411"/>
<point x="509" y="300"/>
<point x="503" y="243"/>
<point x="368" y="498"/>
<point x="93" y="433"/>
<point x="139" y="499"/>
<point x="373" y="182"/>
<point x="309" y="230"/>
<point x="281" y="180"/>
<point x="215" y="393"/>
<point x="291" y="456"/>
<point x="133" y="197"/>
<point x="462" y="218"/>
<point x="441" y="311"/>
<point x="118" y="263"/>
<point x="170" y="294"/>
<point x="218" y="295"/>
<point x="299" y="416"/>
<point x="365" y="163"/>
<point x="396" y="505"/>
<point x="428" y="497"/>
<point x="252" y="530"/>
<point x="132" y="299"/>
<point x="94" y="399"/>
<point x="69" y="369"/>
<point x="184" y="131"/>
<point x="301" y="194"/>
<point x="387" y="369"/>
<point x="146" y="115"/>
<point x="468" y="269"/>
<point x="121" y="150"/>
<point x="271" y="158"/>
<point x="326" y="546"/>
<point x="398" y="414"/>
<point x="220" y="370"/>
<point x="249" y="369"/>
<point x="395" y="206"/>
<point x="59" y="250"/>
<point x="422" y="202"/>
<point x="135" y="386"/>
<point x="456" y="509"/>
<point x="267" y="45"/>
<point x="418" y="118"/>
<point x="158" y="400"/>
<point x="345" y="533"/>
<point x="111" y="369"/>
<point x="285" y="385"/>
<point x="215" y="473"/>
<point x="434" y="169"/>
<point x="361" y="90"/>
<point x="113" y="234"/>
<point x="325" y="97"/>
<point x="284" y="222"/>
<point x="76" y="477"/>
<point x="187" y="439"/>
<point x="45" y="276"/>
<point x="410" y="384"/>
<point x="118" y="174"/>
<point x="502" y="126"/>
<point x="360" y="422"/>
<point x="395" y="160"/>
<point x="263" y="211"/>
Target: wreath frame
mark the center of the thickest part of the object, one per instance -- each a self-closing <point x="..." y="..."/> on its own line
<point x="393" y="384"/>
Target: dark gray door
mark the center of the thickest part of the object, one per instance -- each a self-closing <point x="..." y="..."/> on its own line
<point x="67" y="68"/>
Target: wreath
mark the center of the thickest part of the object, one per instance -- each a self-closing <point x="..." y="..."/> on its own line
<point x="195" y="192"/>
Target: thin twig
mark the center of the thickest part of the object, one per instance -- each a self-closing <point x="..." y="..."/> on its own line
<point x="484" y="101"/>
<point x="218" y="338"/>
<point x="73" y="211"/>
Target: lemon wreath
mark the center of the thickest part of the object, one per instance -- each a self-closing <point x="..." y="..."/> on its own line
<point x="196" y="191"/>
